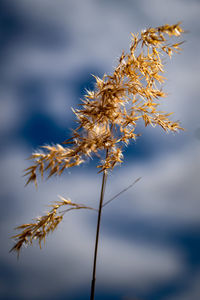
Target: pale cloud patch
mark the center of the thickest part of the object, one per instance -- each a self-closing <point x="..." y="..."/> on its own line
<point x="168" y="190"/>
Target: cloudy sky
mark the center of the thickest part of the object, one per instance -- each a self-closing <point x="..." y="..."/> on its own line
<point x="150" y="235"/>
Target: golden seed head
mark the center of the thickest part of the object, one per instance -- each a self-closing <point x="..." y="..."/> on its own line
<point x="108" y="117"/>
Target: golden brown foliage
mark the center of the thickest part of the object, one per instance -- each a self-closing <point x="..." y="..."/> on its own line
<point x="108" y="117"/>
<point x="43" y="225"/>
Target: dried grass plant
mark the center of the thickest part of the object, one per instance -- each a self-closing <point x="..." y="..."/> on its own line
<point x="107" y="120"/>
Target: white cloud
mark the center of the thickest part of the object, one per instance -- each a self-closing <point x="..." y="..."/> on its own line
<point x="10" y="111"/>
<point x="136" y="264"/>
<point x="171" y="11"/>
<point x="92" y="40"/>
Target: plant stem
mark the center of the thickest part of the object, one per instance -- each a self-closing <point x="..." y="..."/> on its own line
<point x="104" y="178"/>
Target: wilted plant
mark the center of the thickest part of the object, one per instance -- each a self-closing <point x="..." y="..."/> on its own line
<point x="107" y="121"/>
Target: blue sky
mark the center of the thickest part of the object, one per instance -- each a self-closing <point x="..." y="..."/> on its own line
<point x="150" y="237"/>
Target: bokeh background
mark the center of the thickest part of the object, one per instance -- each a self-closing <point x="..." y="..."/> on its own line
<point x="150" y="235"/>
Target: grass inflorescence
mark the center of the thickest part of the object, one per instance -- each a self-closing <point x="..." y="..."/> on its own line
<point x="107" y="120"/>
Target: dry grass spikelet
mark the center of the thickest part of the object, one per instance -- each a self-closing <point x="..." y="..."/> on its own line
<point x="45" y="224"/>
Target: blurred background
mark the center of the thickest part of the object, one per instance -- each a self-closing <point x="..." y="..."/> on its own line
<point x="150" y="235"/>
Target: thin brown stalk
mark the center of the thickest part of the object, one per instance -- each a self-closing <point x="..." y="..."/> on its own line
<point x="104" y="178"/>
